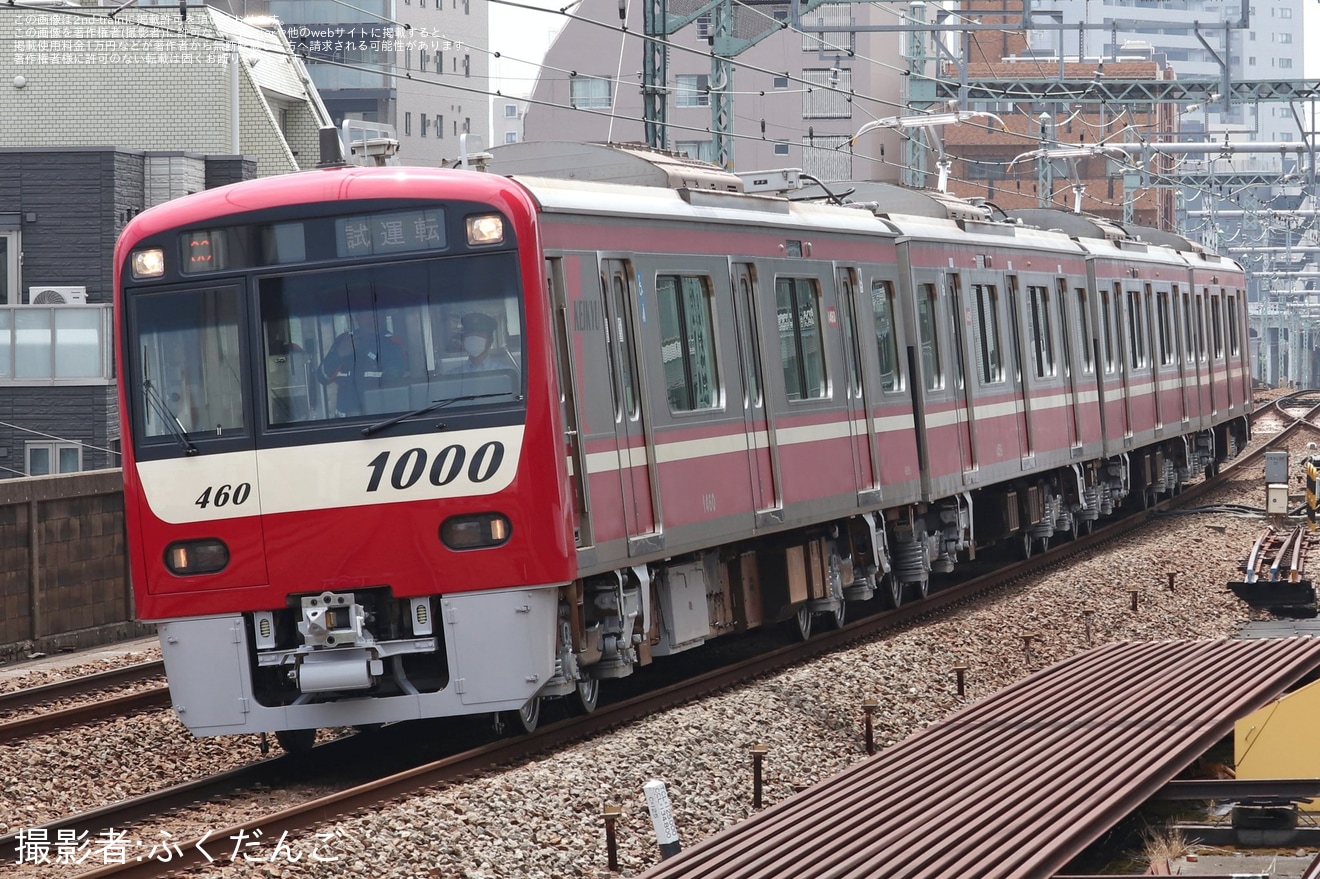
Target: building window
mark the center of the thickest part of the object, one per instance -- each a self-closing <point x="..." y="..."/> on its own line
<point x="827" y="157"/>
<point x="687" y="342"/>
<point x="45" y="458"/>
<point x="467" y="65"/>
<point x="510" y="137"/>
<point x="10" y="255"/>
<point x="781" y="149"/>
<point x="425" y="122"/>
<point x="467" y="124"/>
<point x="704" y="30"/>
<point x="693" y="90"/>
<point x="701" y="150"/>
<point x="510" y="111"/>
<point x="407" y="123"/>
<point x="1283" y="37"/>
<point x="589" y="92"/>
<point x="838" y="17"/>
<point x="439" y="126"/>
<point x="828" y="93"/>
<point x="780" y="82"/>
<point x="421" y="61"/>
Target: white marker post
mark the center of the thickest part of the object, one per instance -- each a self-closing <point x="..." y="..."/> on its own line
<point x="662" y="816"/>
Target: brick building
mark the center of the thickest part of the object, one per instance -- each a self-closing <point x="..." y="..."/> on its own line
<point x="983" y="157"/>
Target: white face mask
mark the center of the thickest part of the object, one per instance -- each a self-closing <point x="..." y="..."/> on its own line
<point x="474" y="345"/>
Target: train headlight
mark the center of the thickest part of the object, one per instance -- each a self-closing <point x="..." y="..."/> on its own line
<point x="148" y="263"/>
<point x="196" y="557"/>
<point x="475" y="531"/>
<point x="485" y="230"/>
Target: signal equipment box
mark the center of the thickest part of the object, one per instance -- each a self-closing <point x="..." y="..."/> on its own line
<point x="1276" y="467"/>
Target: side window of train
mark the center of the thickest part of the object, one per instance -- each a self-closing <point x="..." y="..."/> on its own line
<point x="797" y="306"/>
<point x="1200" y="325"/>
<point x="886" y="339"/>
<point x="930" y="342"/>
<point x="1107" y="320"/>
<point x="989" y="336"/>
<point x="1234" y="346"/>
<point x="750" y="338"/>
<point x="1136" y="329"/>
<point x="1084" y="328"/>
<point x="618" y="346"/>
<point x="687" y="342"/>
<point x="1042" y="339"/>
<point x="1189" y="338"/>
<point x="1217" y="327"/>
<point x="1164" y="323"/>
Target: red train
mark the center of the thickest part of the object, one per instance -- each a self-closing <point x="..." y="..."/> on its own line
<point x="406" y="442"/>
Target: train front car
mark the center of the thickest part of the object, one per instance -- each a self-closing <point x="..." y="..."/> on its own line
<point x="343" y="459"/>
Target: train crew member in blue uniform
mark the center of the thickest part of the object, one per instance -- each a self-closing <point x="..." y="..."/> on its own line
<point x="362" y="359"/>
<point x="478" y="342"/>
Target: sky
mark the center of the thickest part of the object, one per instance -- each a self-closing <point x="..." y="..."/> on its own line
<point x="521" y="36"/>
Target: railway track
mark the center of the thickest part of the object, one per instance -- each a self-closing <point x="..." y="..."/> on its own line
<point x="553" y="736"/>
<point x="14" y="728"/>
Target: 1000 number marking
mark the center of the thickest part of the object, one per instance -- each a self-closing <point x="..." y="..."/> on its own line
<point x="447" y="465"/>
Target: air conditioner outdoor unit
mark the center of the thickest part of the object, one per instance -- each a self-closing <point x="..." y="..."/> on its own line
<point x="57" y="295"/>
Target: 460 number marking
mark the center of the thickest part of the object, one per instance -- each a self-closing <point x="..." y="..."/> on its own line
<point x="447" y="465"/>
<point x="225" y="494"/>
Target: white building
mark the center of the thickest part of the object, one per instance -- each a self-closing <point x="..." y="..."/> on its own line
<point x="150" y="79"/>
<point x="798" y="98"/>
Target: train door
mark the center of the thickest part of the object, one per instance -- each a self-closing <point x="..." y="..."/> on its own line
<point x="762" y="450"/>
<point x="1070" y="368"/>
<point x="963" y="407"/>
<point x="568" y="402"/>
<point x="861" y="425"/>
<point x="1182" y="346"/>
<point x="1149" y="313"/>
<point x="1023" y="400"/>
<point x="617" y="283"/>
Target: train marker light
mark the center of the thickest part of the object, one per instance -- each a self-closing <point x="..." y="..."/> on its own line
<point x="196" y="557"/>
<point x="148" y="263"/>
<point x="488" y="229"/>
<point x="475" y="531"/>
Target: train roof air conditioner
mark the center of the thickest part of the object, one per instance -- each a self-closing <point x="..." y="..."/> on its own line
<point x="57" y="295"/>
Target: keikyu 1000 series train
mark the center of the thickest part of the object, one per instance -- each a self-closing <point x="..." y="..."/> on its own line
<point x="406" y="442"/>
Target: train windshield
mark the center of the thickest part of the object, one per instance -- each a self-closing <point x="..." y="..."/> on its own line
<point x="361" y="342"/>
<point x="383" y="339"/>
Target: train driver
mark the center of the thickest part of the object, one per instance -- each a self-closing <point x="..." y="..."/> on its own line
<point x="478" y="341"/>
<point x="363" y="359"/>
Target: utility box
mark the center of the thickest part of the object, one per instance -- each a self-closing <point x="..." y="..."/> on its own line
<point x="1276" y="499"/>
<point x="1276" y="467"/>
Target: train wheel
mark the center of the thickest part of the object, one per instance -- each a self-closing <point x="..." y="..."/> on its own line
<point x="525" y="719"/>
<point x="1044" y="544"/>
<point x="801" y="623"/>
<point x="1086" y="527"/>
<point x="894" y="594"/>
<point x="837" y="618"/>
<point x="587" y="696"/>
<point x="923" y="588"/>
<point x="296" y="741"/>
<point x="1025" y="542"/>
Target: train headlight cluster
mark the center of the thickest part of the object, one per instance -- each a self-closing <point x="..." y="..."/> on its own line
<point x="148" y="263"/>
<point x="188" y="557"/>
<point x="475" y="531"/>
<point x="488" y="229"/>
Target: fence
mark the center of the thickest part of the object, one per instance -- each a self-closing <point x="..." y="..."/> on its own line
<point x="64" y="581"/>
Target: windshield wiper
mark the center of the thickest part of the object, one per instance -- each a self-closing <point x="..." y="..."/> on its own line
<point x="166" y="414"/>
<point x="430" y="407"/>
